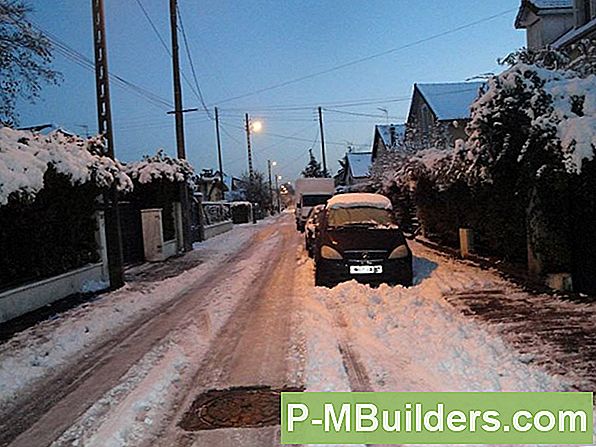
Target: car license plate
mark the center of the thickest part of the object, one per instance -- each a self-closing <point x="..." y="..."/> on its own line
<point x="365" y="269"/>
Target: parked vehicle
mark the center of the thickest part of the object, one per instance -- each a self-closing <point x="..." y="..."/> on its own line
<point x="358" y="238"/>
<point x="311" y="228"/>
<point x="311" y="192"/>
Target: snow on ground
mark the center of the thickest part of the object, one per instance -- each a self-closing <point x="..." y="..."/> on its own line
<point x="410" y="339"/>
<point x="134" y="411"/>
<point x="43" y="349"/>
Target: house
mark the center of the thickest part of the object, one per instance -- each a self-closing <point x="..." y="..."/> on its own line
<point x="355" y="169"/>
<point x="439" y="113"/>
<point x="545" y="21"/>
<point x="211" y="186"/>
<point x="584" y="25"/>
<point x="387" y="137"/>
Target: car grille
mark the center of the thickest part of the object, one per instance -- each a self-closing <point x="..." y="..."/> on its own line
<point x="365" y="255"/>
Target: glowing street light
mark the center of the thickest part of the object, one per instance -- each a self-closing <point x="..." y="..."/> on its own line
<point x="256" y="126"/>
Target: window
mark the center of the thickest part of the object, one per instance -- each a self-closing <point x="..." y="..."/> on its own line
<point x="586" y="11"/>
<point x="366" y="216"/>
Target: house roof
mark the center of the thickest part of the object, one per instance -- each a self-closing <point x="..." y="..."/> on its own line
<point x="575" y="34"/>
<point x="539" y="5"/>
<point x="385" y="132"/>
<point x="450" y="101"/>
<point x="359" y="163"/>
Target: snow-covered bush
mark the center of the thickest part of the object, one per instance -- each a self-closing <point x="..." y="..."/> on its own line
<point x="161" y="167"/>
<point x="522" y="173"/>
<point x="25" y="157"/>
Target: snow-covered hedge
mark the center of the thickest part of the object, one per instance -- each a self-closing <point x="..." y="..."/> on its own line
<point x="161" y="167"/>
<point x="523" y="174"/>
<point x="26" y="156"/>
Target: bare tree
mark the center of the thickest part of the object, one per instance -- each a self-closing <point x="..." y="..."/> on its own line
<point x="25" y="59"/>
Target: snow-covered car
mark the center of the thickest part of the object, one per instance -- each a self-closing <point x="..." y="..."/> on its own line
<point x="358" y="238"/>
<point x="311" y="228"/>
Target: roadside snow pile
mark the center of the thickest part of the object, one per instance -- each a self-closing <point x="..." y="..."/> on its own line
<point x="354" y="200"/>
<point x="160" y="167"/>
<point x="411" y="339"/>
<point x="26" y="156"/>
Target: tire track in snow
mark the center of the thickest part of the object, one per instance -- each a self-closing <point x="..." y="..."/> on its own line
<point x="47" y="413"/>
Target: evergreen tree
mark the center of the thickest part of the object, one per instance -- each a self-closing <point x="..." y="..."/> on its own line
<point x="256" y="190"/>
<point x="313" y="168"/>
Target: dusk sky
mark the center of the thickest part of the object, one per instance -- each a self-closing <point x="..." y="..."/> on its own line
<point x="239" y="47"/>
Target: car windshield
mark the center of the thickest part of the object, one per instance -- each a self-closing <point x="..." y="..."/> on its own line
<point x="368" y="216"/>
<point x="315" y="199"/>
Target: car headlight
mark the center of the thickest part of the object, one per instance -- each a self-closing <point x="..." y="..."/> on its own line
<point x="399" y="252"/>
<point x="330" y="253"/>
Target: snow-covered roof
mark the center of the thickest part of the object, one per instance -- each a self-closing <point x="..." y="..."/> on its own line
<point x="356" y="200"/>
<point x="360" y="163"/>
<point x="26" y="156"/>
<point x="385" y="130"/>
<point x="551" y="4"/>
<point x="450" y="101"/>
<point x="537" y="6"/>
<point x="575" y="34"/>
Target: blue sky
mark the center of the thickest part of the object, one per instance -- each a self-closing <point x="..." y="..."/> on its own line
<point x="242" y="46"/>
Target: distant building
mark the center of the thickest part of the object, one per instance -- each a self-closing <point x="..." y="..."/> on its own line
<point x="211" y="186"/>
<point x="439" y="113"/>
<point x="387" y="137"/>
<point x="545" y="21"/>
<point x="355" y="169"/>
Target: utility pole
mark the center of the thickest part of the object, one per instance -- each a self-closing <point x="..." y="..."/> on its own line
<point x="270" y="185"/>
<point x="324" y="158"/>
<point x="219" y="158"/>
<point x="277" y="177"/>
<point x="104" y="120"/>
<point x="247" y="126"/>
<point x="179" y="117"/>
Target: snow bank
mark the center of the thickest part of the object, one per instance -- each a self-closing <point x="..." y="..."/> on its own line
<point x="43" y="349"/>
<point x="354" y="200"/>
<point x="412" y="339"/>
<point x="26" y="156"/>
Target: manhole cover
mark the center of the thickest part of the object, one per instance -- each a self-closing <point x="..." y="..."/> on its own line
<point x="235" y="407"/>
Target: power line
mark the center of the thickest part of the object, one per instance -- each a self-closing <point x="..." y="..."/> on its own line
<point x="192" y="66"/>
<point x="83" y="61"/>
<point x="166" y="47"/>
<point x="345" y="112"/>
<point x="368" y="58"/>
<point x="155" y="30"/>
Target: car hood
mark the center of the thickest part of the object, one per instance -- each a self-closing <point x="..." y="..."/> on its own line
<point x="373" y="238"/>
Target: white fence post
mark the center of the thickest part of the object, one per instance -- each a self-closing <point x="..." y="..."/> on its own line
<point x="152" y="234"/>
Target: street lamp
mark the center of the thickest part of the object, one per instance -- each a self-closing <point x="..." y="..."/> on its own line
<point x="256" y="126"/>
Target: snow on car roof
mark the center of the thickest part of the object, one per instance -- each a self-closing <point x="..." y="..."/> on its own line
<point x="355" y="200"/>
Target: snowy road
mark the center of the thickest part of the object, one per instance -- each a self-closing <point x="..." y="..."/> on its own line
<point x="125" y="369"/>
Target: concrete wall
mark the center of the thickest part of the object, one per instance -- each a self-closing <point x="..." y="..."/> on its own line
<point x="218" y="228"/>
<point x="29" y="297"/>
